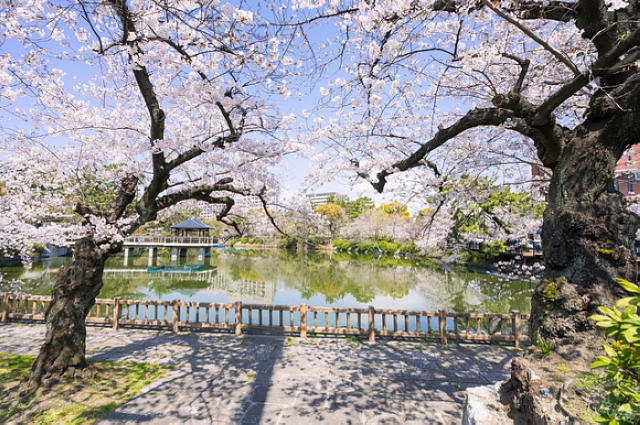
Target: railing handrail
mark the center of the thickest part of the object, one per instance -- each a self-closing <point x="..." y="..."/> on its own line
<point x="172" y="239"/>
<point x="17" y="306"/>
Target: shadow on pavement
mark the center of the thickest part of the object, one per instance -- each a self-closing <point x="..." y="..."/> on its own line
<point x="221" y="378"/>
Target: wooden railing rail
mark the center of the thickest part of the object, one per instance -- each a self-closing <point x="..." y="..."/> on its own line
<point x="366" y="322"/>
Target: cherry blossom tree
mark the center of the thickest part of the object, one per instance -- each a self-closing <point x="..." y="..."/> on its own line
<point x="299" y="221"/>
<point x="147" y="103"/>
<point x="431" y="86"/>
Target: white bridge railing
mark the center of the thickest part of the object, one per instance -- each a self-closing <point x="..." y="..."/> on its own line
<point x="171" y="240"/>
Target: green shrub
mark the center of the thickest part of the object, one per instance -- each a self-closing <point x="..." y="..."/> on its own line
<point x="367" y="245"/>
<point x="288" y="242"/>
<point x="622" y="360"/>
<point x="493" y="249"/>
<point x="545" y="346"/>
<point x="550" y="291"/>
<point x="465" y="256"/>
<point x="388" y="247"/>
<point x="408" y="248"/>
<point x="342" y="244"/>
<point x="316" y="240"/>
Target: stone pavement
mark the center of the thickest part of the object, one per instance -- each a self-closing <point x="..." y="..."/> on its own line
<point x="220" y="378"/>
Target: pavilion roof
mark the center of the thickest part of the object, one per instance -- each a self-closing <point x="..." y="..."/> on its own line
<point x="192" y="223"/>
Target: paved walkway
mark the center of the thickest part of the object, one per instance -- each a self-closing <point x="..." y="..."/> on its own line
<point x="267" y="379"/>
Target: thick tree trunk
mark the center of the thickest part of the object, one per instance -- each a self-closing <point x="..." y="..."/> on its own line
<point x="588" y="236"/>
<point x="77" y="285"/>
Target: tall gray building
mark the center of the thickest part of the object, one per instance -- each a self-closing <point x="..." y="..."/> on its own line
<point x="322" y="198"/>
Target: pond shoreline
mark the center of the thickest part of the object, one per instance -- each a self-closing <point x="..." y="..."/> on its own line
<point x="285" y="277"/>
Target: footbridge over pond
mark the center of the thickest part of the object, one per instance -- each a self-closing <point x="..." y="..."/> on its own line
<point x="178" y="244"/>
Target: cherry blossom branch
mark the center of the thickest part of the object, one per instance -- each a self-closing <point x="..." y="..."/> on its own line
<point x="560" y="11"/>
<point x="202" y="193"/>
<point x="125" y="195"/>
<point x="156" y="114"/>
<point x="322" y="16"/>
<point x="269" y="216"/>
<point x="225" y="114"/>
<point x="186" y="156"/>
<point x="560" y="56"/>
<point x="88" y="20"/>
<point x="474" y="118"/>
<point x="602" y="66"/>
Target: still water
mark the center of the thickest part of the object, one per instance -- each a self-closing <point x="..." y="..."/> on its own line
<point x="288" y="278"/>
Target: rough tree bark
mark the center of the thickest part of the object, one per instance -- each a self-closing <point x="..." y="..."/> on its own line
<point x="588" y="237"/>
<point x="588" y="232"/>
<point x="77" y="285"/>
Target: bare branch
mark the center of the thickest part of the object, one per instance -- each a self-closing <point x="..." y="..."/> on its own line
<point x="88" y="20"/>
<point x="318" y="17"/>
<point x="186" y="156"/>
<point x="433" y="167"/>
<point x="85" y="210"/>
<point x="524" y="65"/>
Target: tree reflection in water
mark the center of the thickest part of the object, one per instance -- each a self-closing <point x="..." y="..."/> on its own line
<point x="316" y="278"/>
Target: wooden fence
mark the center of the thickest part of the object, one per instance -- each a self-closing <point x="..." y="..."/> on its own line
<point x="366" y="322"/>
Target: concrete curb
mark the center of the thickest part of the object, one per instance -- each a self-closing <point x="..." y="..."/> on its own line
<point x="482" y="406"/>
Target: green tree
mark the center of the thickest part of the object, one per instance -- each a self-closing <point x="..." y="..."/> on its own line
<point x="395" y="208"/>
<point x="353" y="209"/>
<point x="483" y="208"/>
<point x="334" y="214"/>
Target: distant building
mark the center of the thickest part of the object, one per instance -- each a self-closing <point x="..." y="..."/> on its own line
<point x="627" y="171"/>
<point x="243" y="206"/>
<point x="208" y="210"/>
<point x="322" y="198"/>
<point x="246" y="204"/>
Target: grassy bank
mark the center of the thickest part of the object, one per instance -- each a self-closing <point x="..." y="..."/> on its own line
<point x="105" y="386"/>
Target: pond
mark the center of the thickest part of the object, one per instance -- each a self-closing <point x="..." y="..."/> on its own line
<point x="288" y="278"/>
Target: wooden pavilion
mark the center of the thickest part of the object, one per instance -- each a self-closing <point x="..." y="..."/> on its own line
<point x="191" y="227"/>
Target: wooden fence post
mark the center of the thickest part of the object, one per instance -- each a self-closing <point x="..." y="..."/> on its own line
<point x="117" y="312"/>
<point x="303" y="321"/>
<point x="6" y="308"/>
<point x="442" y="324"/>
<point x="372" y="325"/>
<point x="516" y="327"/>
<point x="175" y="319"/>
<point x="238" y="309"/>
